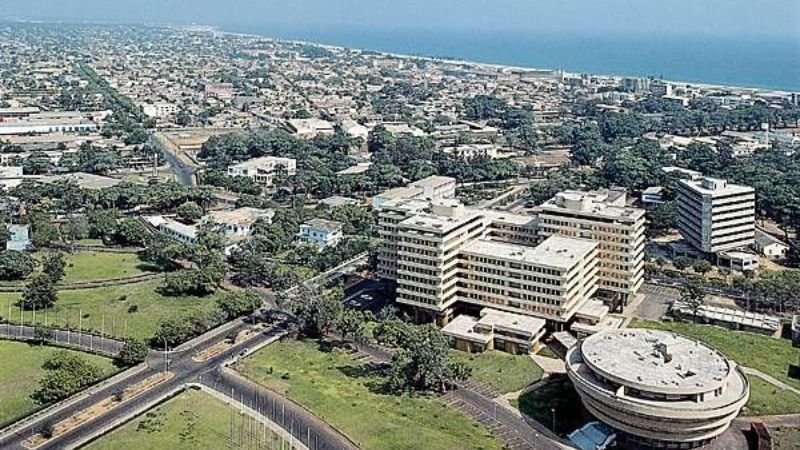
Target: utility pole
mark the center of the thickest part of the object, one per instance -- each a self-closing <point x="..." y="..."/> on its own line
<point x="166" y="355"/>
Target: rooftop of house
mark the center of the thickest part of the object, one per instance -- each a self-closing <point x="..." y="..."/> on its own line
<point x="240" y="216"/>
<point x="329" y="226"/>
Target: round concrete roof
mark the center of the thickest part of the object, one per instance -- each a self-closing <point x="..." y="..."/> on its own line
<point x="655" y="361"/>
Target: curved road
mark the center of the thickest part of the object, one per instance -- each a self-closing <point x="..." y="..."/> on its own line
<point x="185" y="370"/>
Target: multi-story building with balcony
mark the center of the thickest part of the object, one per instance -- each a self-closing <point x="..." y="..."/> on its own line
<point x="602" y="216"/>
<point x="715" y="216"/>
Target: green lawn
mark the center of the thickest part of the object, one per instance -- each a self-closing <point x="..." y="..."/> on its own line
<point x="554" y="401"/>
<point x="88" y="242"/>
<point x="337" y="389"/>
<point x="114" y="304"/>
<point x="20" y="373"/>
<point x="193" y="419"/>
<point x="90" y="266"/>
<point x="502" y="371"/>
<point x="769" y="355"/>
<point x="768" y="400"/>
<point x="547" y="353"/>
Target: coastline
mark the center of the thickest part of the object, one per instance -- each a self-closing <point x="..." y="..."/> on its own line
<point x="486" y="65"/>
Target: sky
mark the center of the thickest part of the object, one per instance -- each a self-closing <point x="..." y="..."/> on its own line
<point x="769" y="18"/>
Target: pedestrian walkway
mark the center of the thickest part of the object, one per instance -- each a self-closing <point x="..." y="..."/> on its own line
<point x="770" y="380"/>
<point x="549" y="365"/>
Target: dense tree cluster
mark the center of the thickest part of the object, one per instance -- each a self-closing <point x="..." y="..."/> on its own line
<point x="65" y="374"/>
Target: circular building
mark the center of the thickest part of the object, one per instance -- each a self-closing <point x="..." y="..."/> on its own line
<point x="658" y="389"/>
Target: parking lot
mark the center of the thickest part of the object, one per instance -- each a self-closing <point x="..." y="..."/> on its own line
<point x="656" y="301"/>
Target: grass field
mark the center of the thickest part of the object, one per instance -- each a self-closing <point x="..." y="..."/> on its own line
<point x="547" y="353"/>
<point x="111" y="309"/>
<point x="502" y="371"/>
<point x="91" y="266"/>
<point x="86" y="266"/>
<point x="89" y="242"/>
<point x="193" y="419"/>
<point x="337" y="389"/>
<point x="768" y="400"/>
<point x="769" y="355"/>
<point x="20" y="373"/>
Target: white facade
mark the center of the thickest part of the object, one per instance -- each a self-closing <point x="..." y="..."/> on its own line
<point x="178" y="231"/>
<point x="715" y="216"/>
<point x="431" y="188"/>
<point x="309" y="128"/>
<point x="603" y="217"/>
<point x="440" y="253"/>
<point x="660" y="390"/>
<point x="44" y="123"/>
<point x="240" y="221"/>
<point x="321" y="233"/>
<point x="159" y="110"/>
<point x="262" y="170"/>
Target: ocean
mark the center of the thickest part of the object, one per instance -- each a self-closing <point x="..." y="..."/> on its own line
<point x="762" y="62"/>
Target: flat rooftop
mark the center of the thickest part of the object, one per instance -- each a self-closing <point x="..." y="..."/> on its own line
<point x="590" y="204"/>
<point x="437" y="223"/>
<point x="748" y="319"/>
<point x="264" y="160"/>
<point x="716" y="187"/>
<point x="556" y="251"/>
<point x="433" y="181"/>
<point x="507" y="217"/>
<point x="655" y="361"/>
<point x="240" y="216"/>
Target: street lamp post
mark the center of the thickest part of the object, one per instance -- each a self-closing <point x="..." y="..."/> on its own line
<point x="166" y="355"/>
<point x="553" y="411"/>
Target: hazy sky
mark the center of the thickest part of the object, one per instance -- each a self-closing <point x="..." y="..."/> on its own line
<point x="719" y="17"/>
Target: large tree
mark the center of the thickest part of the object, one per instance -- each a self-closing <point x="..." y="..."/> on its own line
<point x="15" y="265"/>
<point x="423" y="362"/>
<point x="65" y="373"/>
<point x="39" y="293"/>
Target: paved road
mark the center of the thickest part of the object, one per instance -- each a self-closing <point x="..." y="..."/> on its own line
<point x="307" y="428"/>
<point x="183" y="171"/>
<point x="473" y="400"/>
<point x="179" y="362"/>
<point x="185" y="370"/>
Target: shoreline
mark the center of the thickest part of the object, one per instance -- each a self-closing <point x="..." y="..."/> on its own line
<point x="436" y="59"/>
<point x="478" y="64"/>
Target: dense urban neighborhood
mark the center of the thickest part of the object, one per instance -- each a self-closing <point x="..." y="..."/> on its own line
<point x="218" y="240"/>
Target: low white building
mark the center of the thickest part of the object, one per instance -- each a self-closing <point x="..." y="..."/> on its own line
<point x="355" y="129"/>
<point x="262" y="170"/>
<point x="10" y="176"/>
<point x="321" y="233"/>
<point x="498" y="330"/>
<point x="768" y="246"/>
<point x="652" y="196"/>
<point x="240" y="221"/>
<point x="179" y="231"/>
<point x="159" y="110"/>
<point x="49" y="122"/>
<point x="309" y="128"/>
